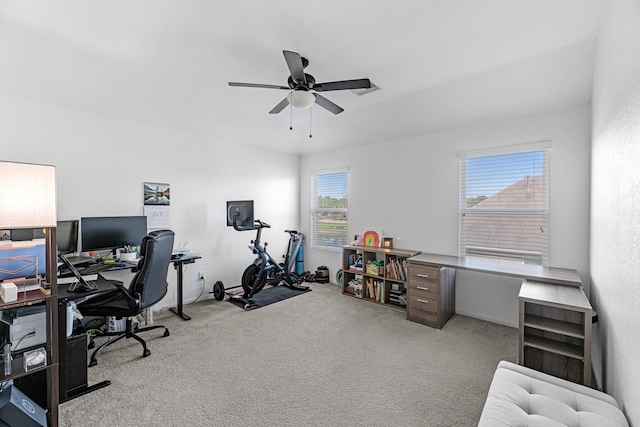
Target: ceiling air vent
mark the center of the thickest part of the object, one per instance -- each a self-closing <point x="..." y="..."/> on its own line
<point x="361" y="92"/>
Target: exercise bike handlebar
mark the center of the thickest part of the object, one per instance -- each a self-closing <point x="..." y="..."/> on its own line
<point x="257" y="225"/>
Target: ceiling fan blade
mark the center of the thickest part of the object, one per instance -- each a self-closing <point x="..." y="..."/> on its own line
<point x="325" y="103"/>
<point x="343" y="85"/>
<point x="294" y="62"/>
<point x="280" y="106"/>
<point x="259" y="85"/>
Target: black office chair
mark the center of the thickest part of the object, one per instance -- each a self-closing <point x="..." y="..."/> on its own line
<point x="148" y="286"/>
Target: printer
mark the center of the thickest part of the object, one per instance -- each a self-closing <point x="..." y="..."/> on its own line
<point x="28" y="327"/>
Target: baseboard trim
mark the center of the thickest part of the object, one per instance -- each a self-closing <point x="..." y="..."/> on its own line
<point x="488" y="318"/>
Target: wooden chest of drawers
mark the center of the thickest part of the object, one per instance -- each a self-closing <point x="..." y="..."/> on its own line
<point x="430" y="294"/>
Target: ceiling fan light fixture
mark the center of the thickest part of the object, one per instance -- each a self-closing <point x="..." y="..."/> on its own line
<point x="301" y="99"/>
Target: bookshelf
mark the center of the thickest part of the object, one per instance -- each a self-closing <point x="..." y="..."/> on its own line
<point x="555" y="330"/>
<point x="49" y="300"/>
<point x="377" y="275"/>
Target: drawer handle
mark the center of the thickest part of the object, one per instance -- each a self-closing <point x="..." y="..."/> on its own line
<point x="425" y="276"/>
<point x="422" y="288"/>
<point x="421" y="300"/>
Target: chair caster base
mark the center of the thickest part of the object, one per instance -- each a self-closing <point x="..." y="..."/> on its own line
<point x="146" y="352"/>
<point x="166" y="333"/>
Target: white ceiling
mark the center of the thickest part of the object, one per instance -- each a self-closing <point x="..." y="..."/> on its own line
<point x="439" y="63"/>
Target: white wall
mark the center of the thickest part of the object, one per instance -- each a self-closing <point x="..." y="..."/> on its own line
<point x="409" y="188"/>
<point x="615" y="203"/>
<point x="102" y="162"/>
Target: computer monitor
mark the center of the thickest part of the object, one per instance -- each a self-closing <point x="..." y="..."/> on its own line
<point x="67" y="236"/>
<point x="111" y="232"/>
<point x="242" y="211"/>
<point x="22" y="234"/>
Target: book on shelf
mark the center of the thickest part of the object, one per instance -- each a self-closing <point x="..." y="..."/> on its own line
<point x="381" y="291"/>
<point x="371" y="293"/>
<point x="374" y="290"/>
<point x="355" y="262"/>
<point x="396" y="268"/>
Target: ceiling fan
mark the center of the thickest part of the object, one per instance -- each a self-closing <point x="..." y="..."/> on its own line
<point x="303" y="86"/>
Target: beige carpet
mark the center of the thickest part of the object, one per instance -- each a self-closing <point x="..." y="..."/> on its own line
<point x="318" y="359"/>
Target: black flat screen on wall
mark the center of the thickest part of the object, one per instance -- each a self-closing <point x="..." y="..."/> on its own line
<point x="242" y="211"/>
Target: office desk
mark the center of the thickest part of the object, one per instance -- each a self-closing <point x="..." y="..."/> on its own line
<point x="178" y="262"/>
<point x="538" y="273"/>
<point x="431" y="283"/>
<point x="69" y="391"/>
<point x="554" y="313"/>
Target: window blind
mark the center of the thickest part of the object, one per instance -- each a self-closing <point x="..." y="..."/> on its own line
<point x="504" y="203"/>
<point x="329" y="208"/>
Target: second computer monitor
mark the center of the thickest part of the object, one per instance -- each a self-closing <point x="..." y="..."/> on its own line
<point x="112" y="232"/>
<point x="67" y="236"/>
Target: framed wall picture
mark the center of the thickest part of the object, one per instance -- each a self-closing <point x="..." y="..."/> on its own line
<point x="156" y="193"/>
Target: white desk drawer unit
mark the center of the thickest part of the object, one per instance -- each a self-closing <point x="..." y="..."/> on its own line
<point x="430" y="294"/>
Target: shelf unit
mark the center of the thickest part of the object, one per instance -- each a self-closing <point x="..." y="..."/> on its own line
<point x="393" y="272"/>
<point x="37" y="297"/>
<point x="555" y="330"/>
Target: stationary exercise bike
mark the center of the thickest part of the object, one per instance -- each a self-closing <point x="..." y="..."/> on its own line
<point x="264" y="269"/>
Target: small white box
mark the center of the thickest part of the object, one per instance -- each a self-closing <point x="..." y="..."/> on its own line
<point x="8" y="291"/>
<point x="34" y="359"/>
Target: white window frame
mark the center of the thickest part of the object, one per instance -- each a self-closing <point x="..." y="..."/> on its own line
<point x="502" y="251"/>
<point x="315" y="211"/>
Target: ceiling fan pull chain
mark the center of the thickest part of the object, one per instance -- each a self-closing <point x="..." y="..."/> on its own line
<point x="290" y="116"/>
<point x="310" y="117"/>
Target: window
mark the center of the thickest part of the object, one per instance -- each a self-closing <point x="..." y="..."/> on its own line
<point x="329" y="202"/>
<point x="504" y="205"/>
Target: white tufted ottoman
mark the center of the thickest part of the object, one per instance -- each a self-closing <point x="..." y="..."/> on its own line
<point x="520" y="396"/>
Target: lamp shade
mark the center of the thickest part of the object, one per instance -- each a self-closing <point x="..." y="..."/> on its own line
<point x="27" y="195"/>
<point x="301" y="99"/>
